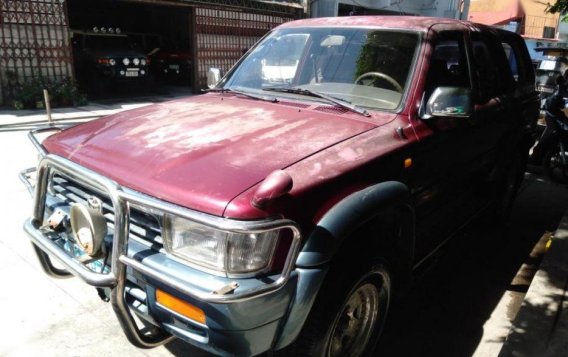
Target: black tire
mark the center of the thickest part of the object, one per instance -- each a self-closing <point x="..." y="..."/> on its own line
<point x="553" y="165"/>
<point x="348" y="315"/>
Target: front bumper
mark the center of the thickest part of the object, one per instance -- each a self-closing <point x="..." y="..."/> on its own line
<point x="120" y="72"/>
<point x="244" y="321"/>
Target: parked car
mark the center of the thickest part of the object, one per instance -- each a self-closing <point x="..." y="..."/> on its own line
<point x="104" y="58"/>
<point x="282" y="210"/>
<point x="169" y="62"/>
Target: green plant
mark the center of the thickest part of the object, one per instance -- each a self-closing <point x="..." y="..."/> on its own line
<point x="61" y="92"/>
<point x="65" y="93"/>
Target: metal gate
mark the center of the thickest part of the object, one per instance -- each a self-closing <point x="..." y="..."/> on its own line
<point x="221" y="36"/>
<point x="34" y="43"/>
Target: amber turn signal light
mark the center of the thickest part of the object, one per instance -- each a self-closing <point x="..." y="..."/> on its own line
<point x="181" y="307"/>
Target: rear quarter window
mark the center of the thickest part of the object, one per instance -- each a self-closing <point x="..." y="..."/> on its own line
<point x="519" y="59"/>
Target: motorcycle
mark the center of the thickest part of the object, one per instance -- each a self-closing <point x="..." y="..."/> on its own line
<point x="555" y="157"/>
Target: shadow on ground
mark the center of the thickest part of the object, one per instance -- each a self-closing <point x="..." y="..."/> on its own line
<point x="445" y="311"/>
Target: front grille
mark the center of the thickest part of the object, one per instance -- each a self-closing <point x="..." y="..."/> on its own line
<point x="143" y="226"/>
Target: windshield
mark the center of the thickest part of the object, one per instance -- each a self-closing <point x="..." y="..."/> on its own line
<point x="365" y="67"/>
<point x="107" y="42"/>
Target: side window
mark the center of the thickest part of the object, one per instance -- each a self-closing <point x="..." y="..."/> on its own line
<point x="513" y="62"/>
<point x="492" y="74"/>
<point x="448" y="64"/>
<point x="519" y="61"/>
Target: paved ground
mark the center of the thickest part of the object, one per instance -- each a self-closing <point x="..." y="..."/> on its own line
<point x="462" y="306"/>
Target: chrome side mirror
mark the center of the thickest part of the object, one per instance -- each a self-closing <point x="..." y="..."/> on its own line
<point x="213" y="77"/>
<point x="452" y="102"/>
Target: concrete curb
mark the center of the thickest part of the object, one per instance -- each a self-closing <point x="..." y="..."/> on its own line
<point x="541" y="325"/>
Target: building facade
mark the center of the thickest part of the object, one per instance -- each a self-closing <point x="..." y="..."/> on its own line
<point x="526" y="17"/>
<point x="35" y="35"/>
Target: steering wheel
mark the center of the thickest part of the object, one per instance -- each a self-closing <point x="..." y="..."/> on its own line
<point x="381" y="75"/>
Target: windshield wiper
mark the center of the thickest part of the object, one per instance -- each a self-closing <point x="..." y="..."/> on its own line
<point x="341" y="102"/>
<point x="241" y="92"/>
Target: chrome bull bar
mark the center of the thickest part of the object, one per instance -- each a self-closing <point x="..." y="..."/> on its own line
<point x="116" y="278"/>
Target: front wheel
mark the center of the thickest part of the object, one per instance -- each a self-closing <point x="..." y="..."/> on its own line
<point x="348" y="315"/>
<point x="555" y="164"/>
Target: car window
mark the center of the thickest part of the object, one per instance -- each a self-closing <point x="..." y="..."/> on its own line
<point x="513" y="62"/>
<point x="366" y="67"/>
<point x="489" y="82"/>
<point x="280" y="64"/>
<point x="448" y="65"/>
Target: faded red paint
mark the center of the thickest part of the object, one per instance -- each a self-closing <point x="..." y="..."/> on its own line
<point x="395" y="22"/>
<point x="203" y="151"/>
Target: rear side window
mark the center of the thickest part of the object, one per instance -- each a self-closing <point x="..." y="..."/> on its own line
<point x="492" y="73"/>
<point x="519" y="61"/>
<point x="486" y="75"/>
<point x="513" y="63"/>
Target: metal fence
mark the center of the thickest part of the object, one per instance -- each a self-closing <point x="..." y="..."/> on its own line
<point x="34" y="43"/>
<point x="222" y="36"/>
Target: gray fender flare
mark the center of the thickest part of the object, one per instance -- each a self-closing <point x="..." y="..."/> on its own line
<point x="331" y="231"/>
<point x="348" y="215"/>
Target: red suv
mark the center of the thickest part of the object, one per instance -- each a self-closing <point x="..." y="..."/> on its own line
<point x="281" y="210"/>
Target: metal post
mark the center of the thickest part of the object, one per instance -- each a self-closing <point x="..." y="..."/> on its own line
<point x="47" y="106"/>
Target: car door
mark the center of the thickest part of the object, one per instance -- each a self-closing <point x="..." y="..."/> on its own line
<point x="454" y="155"/>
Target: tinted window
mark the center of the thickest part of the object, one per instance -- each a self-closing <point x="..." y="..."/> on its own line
<point x="448" y="65"/>
<point x="489" y="82"/>
<point x="512" y="58"/>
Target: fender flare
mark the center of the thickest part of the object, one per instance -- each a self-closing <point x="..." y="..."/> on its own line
<point x="350" y="214"/>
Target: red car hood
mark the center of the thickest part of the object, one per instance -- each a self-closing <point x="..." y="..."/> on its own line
<point x="203" y="151"/>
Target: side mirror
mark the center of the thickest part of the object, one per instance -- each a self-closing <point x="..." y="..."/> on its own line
<point x="213" y="77"/>
<point x="454" y="102"/>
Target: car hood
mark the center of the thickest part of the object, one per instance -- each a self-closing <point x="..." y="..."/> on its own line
<point x="203" y="151"/>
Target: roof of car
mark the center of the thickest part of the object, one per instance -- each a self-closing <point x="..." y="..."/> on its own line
<point x="402" y="22"/>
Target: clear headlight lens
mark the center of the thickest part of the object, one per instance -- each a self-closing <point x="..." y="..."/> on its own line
<point x="112" y="61"/>
<point x="227" y="252"/>
<point x="143" y="61"/>
<point x="136" y="61"/>
<point x="126" y="61"/>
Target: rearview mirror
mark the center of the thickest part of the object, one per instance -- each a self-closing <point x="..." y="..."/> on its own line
<point x="452" y="102"/>
<point x="213" y="77"/>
